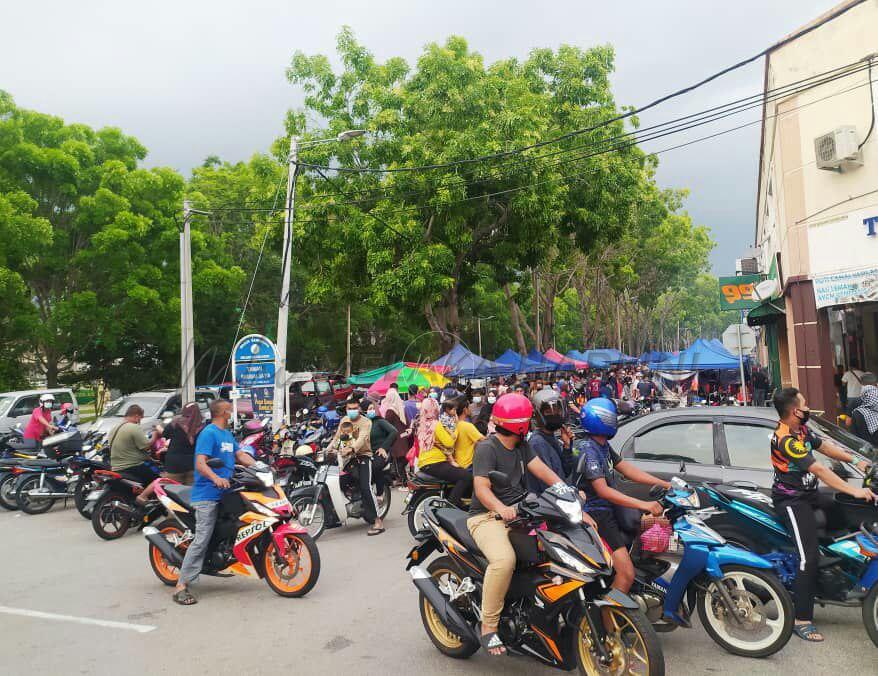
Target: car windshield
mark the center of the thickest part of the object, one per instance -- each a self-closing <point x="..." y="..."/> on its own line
<point x="150" y="406"/>
<point x="5" y="403"/>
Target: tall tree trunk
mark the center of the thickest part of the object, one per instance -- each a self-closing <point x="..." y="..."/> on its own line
<point x="515" y="315"/>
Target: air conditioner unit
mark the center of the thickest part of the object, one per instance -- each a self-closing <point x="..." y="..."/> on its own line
<point x="838" y="149"/>
<point x="746" y="266"/>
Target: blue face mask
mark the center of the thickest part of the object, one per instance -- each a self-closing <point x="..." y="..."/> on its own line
<point x="354" y="414"/>
<point x="370" y="414"/>
<point x="434" y="395"/>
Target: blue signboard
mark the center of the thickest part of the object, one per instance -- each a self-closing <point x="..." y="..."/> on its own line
<point x="250" y="375"/>
<point x="254" y="348"/>
<point x="262" y="398"/>
<point x="254" y="362"/>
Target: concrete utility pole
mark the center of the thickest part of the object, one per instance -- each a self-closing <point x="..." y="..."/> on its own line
<point x="347" y="368"/>
<point x="281" y="391"/>
<point x="479" y="328"/>
<point x="187" y="333"/>
<point x="741" y="360"/>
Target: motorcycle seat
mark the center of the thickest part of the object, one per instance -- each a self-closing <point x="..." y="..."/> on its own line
<point x="181" y="494"/>
<point x="454" y="521"/>
<point x="426" y="480"/>
<point x="40" y="462"/>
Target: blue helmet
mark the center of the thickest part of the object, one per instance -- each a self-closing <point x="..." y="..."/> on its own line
<point x="599" y="417"/>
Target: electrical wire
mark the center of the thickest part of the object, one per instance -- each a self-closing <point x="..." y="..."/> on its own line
<point x="872" y="101"/>
<point x="617" y="118"/>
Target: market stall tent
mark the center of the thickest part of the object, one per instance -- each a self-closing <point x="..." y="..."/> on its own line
<point x="548" y="364"/>
<point x="700" y="356"/>
<point x="519" y="363"/>
<point x="461" y="363"/>
<point x="554" y="355"/>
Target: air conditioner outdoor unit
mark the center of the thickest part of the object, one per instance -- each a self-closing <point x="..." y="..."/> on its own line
<point x="838" y="149"/>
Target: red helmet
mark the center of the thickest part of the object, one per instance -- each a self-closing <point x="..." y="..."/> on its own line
<point x="66" y="407"/>
<point x="512" y="413"/>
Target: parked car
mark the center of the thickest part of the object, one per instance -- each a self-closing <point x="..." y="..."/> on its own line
<point x="722" y="444"/>
<point x="17" y="407"/>
<point x="310" y="390"/>
<point x="157" y="406"/>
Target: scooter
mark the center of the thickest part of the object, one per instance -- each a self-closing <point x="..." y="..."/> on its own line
<point x="847" y="572"/>
<point x="684" y="564"/>
<point x="332" y="499"/>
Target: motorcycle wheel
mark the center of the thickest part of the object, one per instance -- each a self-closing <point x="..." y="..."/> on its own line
<point x="7" y="492"/>
<point x="80" y="493"/>
<point x="164" y="571"/>
<point x="416" y="511"/>
<point x="27" y="503"/>
<point x="768" y="622"/>
<point x="292" y="573"/>
<point x="447" y="642"/>
<point x="317" y="522"/>
<point x="870" y="614"/>
<point x="384" y="501"/>
<point x="633" y="644"/>
<point x="111" y="516"/>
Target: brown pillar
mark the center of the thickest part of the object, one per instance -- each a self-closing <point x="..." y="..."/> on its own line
<point x="814" y="364"/>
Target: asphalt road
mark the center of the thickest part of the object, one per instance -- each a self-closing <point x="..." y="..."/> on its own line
<point x="361" y="618"/>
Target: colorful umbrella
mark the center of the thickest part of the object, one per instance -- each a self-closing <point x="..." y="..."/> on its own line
<point x="420" y="375"/>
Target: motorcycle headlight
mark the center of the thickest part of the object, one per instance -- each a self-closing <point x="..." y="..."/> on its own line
<point x="267" y="478"/>
<point x="572" y="510"/>
<point x="572" y="562"/>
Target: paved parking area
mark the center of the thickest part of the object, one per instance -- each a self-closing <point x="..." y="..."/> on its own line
<point x="361" y="618"/>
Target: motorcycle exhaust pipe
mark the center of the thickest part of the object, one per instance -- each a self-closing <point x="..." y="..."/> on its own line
<point x="155" y="537"/>
<point x="37" y="493"/>
<point x="449" y="615"/>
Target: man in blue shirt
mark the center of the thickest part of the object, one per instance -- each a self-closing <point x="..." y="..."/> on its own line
<point x="214" y="441"/>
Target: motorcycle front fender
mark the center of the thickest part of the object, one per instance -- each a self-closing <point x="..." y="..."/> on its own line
<point x="280" y="533"/>
<point x="618" y="599"/>
<point x="726" y="555"/>
<point x="311" y="492"/>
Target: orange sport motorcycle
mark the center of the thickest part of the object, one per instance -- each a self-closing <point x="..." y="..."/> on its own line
<point x="253" y="537"/>
<point x="559" y="607"/>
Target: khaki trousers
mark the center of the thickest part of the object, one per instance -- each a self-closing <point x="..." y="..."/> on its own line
<point x="492" y="537"/>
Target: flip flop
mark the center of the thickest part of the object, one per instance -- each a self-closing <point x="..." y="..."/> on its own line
<point x="492" y="642"/>
<point x="807" y="632"/>
<point x="374" y="531"/>
<point x="185" y="598"/>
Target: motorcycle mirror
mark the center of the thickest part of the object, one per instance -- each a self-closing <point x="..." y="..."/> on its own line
<point x="499" y="479"/>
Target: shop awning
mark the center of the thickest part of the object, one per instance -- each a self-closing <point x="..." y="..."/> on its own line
<point x="767" y="312"/>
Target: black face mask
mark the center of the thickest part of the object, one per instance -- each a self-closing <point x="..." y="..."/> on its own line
<point x="553" y="422"/>
<point x="805" y="417"/>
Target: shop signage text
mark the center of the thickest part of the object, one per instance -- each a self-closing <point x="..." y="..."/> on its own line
<point x="859" y="286"/>
<point x="871" y="224"/>
<point x="736" y="293"/>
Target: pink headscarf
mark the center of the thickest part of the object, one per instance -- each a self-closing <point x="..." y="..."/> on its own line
<point x="427" y="424"/>
<point x="393" y="402"/>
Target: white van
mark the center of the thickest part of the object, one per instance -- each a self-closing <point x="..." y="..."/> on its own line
<point x="17" y="407"/>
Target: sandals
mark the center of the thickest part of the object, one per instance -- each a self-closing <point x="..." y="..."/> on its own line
<point x="185" y="598"/>
<point x="808" y="632"/>
<point x="493" y="642"/>
<point x="374" y="531"/>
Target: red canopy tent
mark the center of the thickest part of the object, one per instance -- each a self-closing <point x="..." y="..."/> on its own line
<point x="555" y="356"/>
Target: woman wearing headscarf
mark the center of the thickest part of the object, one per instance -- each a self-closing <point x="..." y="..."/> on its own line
<point x="182" y="432"/>
<point x="483" y="419"/>
<point x="865" y="416"/>
<point x="392" y="410"/>
<point x="439" y="461"/>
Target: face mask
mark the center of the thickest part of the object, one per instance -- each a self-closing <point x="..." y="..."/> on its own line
<point x="806" y="415"/>
<point x="370" y="414"/>
<point x="553" y="422"/>
<point x="354" y="414"/>
<point x="47" y="404"/>
<point x="491" y="400"/>
<point x="477" y="400"/>
<point x="434" y="395"/>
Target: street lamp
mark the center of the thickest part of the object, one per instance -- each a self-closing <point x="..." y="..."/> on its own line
<point x="479" y="324"/>
<point x="281" y="389"/>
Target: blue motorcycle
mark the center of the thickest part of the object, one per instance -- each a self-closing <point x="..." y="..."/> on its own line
<point x="682" y="564"/>
<point x="848" y="561"/>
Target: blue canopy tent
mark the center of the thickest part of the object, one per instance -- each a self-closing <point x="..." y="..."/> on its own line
<point x="596" y="359"/>
<point x="548" y="365"/>
<point x="461" y="363"/>
<point x="519" y="363"/>
<point x="700" y="356"/>
<point x="654" y="355"/>
<point x="611" y="355"/>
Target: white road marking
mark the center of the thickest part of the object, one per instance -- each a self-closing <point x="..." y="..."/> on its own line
<point x="140" y="628"/>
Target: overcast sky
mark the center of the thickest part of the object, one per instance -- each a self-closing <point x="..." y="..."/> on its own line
<point x="191" y="79"/>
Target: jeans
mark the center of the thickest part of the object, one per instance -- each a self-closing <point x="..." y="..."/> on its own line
<point x="206" y="513"/>
<point x="492" y="537"/>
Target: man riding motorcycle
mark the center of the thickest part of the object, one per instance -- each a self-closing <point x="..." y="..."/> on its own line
<point x="504" y="451"/>
<point x="595" y="476"/>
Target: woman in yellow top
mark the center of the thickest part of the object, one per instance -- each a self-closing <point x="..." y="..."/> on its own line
<point x="438" y="458"/>
<point x="467" y="436"/>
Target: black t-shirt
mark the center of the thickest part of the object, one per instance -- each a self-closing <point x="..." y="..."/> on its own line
<point x="490" y="455"/>
<point x="646" y="388"/>
<point x="792" y="459"/>
<point x="181" y="454"/>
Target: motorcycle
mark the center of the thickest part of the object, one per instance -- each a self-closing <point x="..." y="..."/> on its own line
<point x="684" y="564"/>
<point x="424" y="491"/>
<point x="39" y="483"/>
<point x="559" y="607"/>
<point x="848" y="558"/>
<point x="112" y="504"/>
<point x="253" y="536"/>
<point x="332" y="499"/>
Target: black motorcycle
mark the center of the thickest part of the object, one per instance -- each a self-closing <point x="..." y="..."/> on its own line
<point x="113" y="506"/>
<point x="424" y="491"/>
<point x="559" y="607"/>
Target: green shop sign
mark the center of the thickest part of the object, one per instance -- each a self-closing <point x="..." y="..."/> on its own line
<point x="736" y="293"/>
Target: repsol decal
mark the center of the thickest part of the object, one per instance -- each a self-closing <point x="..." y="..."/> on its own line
<point x="252" y="529"/>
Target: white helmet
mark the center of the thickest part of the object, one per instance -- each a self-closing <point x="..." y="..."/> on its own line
<point x="47" y="398"/>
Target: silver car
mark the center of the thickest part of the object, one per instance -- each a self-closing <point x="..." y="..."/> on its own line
<point x="158" y="407"/>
